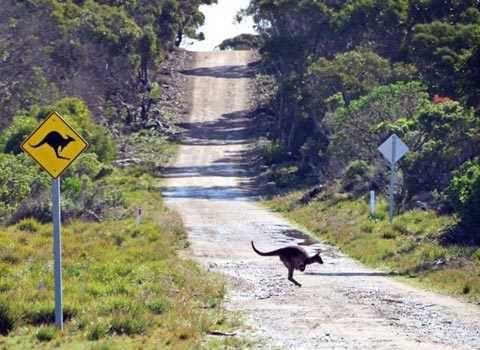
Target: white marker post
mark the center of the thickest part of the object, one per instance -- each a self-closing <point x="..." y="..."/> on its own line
<point x="57" y="252"/>
<point x="372" y="203"/>
<point x="393" y="150"/>
<point x="139" y="216"/>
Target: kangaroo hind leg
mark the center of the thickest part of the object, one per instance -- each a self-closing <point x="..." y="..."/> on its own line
<point x="290" y="277"/>
<point x="59" y="156"/>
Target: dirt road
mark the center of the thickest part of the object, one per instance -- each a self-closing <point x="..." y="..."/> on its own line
<point x="341" y="305"/>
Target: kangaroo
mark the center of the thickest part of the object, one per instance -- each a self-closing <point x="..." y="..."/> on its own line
<point x="293" y="258"/>
<point x="56" y="141"/>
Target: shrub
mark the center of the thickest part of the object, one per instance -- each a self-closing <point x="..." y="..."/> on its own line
<point x="159" y="306"/>
<point x="464" y="192"/>
<point x="46" y="333"/>
<point x="272" y="152"/>
<point x="445" y="136"/>
<point x="13" y="136"/>
<point x="357" y="177"/>
<point x="18" y="178"/>
<point x="285" y="175"/>
<point x="128" y="324"/>
<point x="29" y="225"/>
<point x="98" y="331"/>
<point x="476" y="255"/>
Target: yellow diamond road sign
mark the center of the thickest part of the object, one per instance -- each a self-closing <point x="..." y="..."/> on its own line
<point x="54" y="145"/>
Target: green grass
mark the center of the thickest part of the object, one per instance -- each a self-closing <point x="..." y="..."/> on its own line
<point x="125" y="286"/>
<point x="408" y="247"/>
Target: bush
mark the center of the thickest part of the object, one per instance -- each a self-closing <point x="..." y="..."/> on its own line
<point x="12" y="137"/>
<point x="128" y="324"/>
<point x="445" y="136"/>
<point x="159" y="306"/>
<point x="272" y="152"/>
<point x="464" y="192"/>
<point x="46" y="333"/>
<point x="285" y="175"/>
<point x="18" y="178"/>
<point x="29" y="225"/>
<point x="98" y="331"/>
<point x="357" y="177"/>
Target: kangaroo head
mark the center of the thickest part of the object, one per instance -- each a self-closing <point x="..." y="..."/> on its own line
<point x="317" y="258"/>
<point x="70" y="139"/>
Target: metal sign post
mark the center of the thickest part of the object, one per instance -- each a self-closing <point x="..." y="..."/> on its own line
<point x="57" y="252"/>
<point x="393" y="150"/>
<point x="391" y="208"/>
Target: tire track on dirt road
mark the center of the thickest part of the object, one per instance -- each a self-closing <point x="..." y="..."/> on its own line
<point x="342" y="305"/>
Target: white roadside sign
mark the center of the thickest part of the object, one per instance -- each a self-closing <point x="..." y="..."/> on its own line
<point x="393" y="149"/>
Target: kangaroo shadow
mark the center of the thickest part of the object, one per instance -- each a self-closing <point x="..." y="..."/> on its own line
<point x="353" y="274"/>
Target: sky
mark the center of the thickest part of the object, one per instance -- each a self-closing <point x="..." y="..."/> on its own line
<point x="220" y="24"/>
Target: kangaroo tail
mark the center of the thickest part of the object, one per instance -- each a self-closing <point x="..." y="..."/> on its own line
<point x="272" y="253"/>
<point x="38" y="144"/>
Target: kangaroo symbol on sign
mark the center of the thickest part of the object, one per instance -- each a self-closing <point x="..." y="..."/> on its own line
<point x="56" y="141"/>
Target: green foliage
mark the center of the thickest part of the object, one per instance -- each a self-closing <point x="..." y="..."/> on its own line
<point x="444" y="136"/>
<point x="357" y="178"/>
<point x="464" y="192"/>
<point x="363" y="125"/>
<point x="46" y="334"/>
<point x="19" y="178"/>
<point x="351" y="73"/>
<point x="98" y="331"/>
<point x="100" y="51"/>
<point x="159" y="306"/>
<point x="272" y="152"/>
<point x="241" y="42"/>
<point x="28" y="225"/>
<point x="12" y="137"/>
<point x="443" y="50"/>
<point x="355" y="73"/>
<point x="285" y="175"/>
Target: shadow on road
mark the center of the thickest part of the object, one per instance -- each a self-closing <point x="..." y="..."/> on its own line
<point x="226" y="72"/>
<point x="229" y="129"/>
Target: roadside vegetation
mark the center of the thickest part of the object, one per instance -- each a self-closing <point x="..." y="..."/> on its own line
<point x="336" y="79"/>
